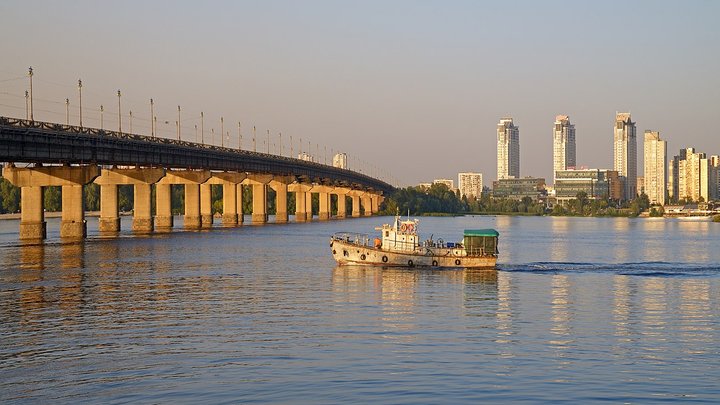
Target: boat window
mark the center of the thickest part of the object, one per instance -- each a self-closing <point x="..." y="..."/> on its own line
<point x="387" y="233"/>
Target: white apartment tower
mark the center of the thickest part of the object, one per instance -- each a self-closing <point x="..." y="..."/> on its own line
<point x="470" y="184"/>
<point x="340" y="160"/>
<point x="693" y="176"/>
<point x="655" y="167"/>
<point x="508" y="149"/>
<point x="625" y="153"/>
<point x="563" y="144"/>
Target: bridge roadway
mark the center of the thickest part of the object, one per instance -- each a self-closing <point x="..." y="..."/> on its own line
<point x="70" y="157"/>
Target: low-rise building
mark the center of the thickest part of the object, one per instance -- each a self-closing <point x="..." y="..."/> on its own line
<point x="533" y="187"/>
<point x="595" y="183"/>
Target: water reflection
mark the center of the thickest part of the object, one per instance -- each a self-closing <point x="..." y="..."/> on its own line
<point x="560" y="306"/>
<point x="559" y="249"/>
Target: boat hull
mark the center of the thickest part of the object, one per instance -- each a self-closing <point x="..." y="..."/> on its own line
<point x="349" y="253"/>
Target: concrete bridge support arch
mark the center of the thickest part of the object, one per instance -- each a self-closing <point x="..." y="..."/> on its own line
<point x="110" y="179"/>
<point x="191" y="180"/>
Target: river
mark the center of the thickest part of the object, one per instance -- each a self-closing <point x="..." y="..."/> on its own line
<point x="580" y="310"/>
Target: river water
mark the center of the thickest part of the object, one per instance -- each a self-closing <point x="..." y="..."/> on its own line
<point x="581" y="310"/>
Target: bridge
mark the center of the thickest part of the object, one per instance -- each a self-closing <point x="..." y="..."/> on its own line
<point x="70" y="156"/>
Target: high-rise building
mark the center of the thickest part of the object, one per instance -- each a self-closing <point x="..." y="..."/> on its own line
<point x="470" y="184"/>
<point x="340" y="160"/>
<point x="693" y="176"/>
<point x="715" y="179"/>
<point x="625" y="153"/>
<point x="563" y="144"/>
<point x="655" y="167"/>
<point x="508" y="149"/>
<point x="674" y="176"/>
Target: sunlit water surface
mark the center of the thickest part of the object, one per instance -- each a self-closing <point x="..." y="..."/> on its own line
<point x="580" y="310"/>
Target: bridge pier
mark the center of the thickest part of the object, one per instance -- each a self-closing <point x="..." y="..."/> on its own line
<point x="366" y="205"/>
<point x="341" y="193"/>
<point x="191" y="180"/>
<point x="32" y="215"/>
<point x="259" y="184"/>
<point x="109" y="220"/>
<point x="301" y="191"/>
<point x="240" y="213"/>
<point x="164" y="220"/>
<point x="230" y="215"/>
<point x="355" y="195"/>
<point x="280" y="185"/>
<point x="230" y="183"/>
<point x="206" y="216"/>
<point x="142" y="208"/>
<point x="32" y="180"/>
<point x="308" y="206"/>
<point x="374" y="203"/>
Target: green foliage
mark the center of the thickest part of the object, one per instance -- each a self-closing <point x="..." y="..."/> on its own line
<point x="438" y="199"/>
<point x="716" y="218"/>
<point x="657" y="211"/>
<point x="9" y="197"/>
<point x="91" y="194"/>
<point x="52" y="198"/>
<point x="126" y="200"/>
<point x="177" y="191"/>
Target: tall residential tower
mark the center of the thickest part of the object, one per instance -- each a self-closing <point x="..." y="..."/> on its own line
<point x="563" y="144"/>
<point x="655" y="167"/>
<point x="508" y="149"/>
<point x="625" y="153"/>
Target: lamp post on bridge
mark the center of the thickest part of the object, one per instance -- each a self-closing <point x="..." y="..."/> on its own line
<point x="254" y="140"/>
<point x="291" y="147"/>
<point x="239" y="136"/>
<point x="202" y="127"/>
<point x="178" y="124"/>
<point x="268" y="141"/>
<point x="27" y="108"/>
<point x="80" y="103"/>
<point x="67" y="111"/>
<point x="131" y="121"/>
<point x="119" y="113"/>
<point x="222" y="132"/>
<point x="280" y="135"/>
<point x="102" y="110"/>
<point x="152" y="118"/>
<point x="30" y="74"/>
<point x="196" y="134"/>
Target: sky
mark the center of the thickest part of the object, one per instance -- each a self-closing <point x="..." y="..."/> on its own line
<point x="410" y="90"/>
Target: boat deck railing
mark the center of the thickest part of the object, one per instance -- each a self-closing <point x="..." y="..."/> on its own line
<point x="359" y="239"/>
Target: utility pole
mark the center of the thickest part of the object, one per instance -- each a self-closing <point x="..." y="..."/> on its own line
<point x="119" y="114"/>
<point x="152" y="118"/>
<point x="80" y="92"/>
<point x="30" y="74"/>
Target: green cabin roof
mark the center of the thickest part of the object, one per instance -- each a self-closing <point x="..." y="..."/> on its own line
<point x="481" y="232"/>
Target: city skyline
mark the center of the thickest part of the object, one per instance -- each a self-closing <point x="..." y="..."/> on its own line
<point x="370" y="79"/>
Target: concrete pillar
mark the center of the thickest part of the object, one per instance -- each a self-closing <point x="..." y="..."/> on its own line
<point x="366" y="205"/>
<point x="300" y="211"/>
<point x="341" y="206"/>
<point x="192" y="206"/>
<point x="142" y="212"/>
<point x="109" y="220"/>
<point x="163" y="207"/>
<point x="230" y="205"/>
<point x="355" y="206"/>
<point x="281" y="214"/>
<point x="259" y="214"/>
<point x="206" y="205"/>
<point x="374" y="206"/>
<point x="73" y="224"/>
<point x="241" y="214"/>
<point x="32" y="215"/>
<point x="308" y="206"/>
<point x="324" y="211"/>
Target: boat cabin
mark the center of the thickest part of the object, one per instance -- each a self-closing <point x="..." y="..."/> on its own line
<point x="400" y="236"/>
<point x="481" y="242"/>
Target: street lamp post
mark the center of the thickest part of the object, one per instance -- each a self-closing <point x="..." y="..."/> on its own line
<point x="202" y="127"/>
<point x="102" y="110"/>
<point x="291" y="147"/>
<point x="178" y="123"/>
<point x="27" y="105"/>
<point x="131" y="122"/>
<point x="67" y="111"/>
<point x="30" y="74"/>
<point x="268" y="141"/>
<point x="119" y="113"/>
<point x="80" y="94"/>
<point x="152" y="118"/>
<point x="222" y="132"/>
<point x="239" y="136"/>
<point x="280" y="135"/>
<point x="196" y="134"/>
<point x="254" y="140"/>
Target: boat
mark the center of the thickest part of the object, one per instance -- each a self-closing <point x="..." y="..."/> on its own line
<point x="399" y="245"/>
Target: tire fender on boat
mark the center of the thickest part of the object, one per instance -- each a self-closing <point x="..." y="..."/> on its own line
<point x="362" y="256"/>
<point x="457" y="262"/>
<point x="384" y="259"/>
<point x="410" y="263"/>
<point x="434" y="263"/>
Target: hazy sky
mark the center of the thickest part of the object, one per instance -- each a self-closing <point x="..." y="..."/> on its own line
<point x="415" y="88"/>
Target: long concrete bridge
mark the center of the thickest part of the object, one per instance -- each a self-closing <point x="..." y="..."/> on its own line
<point x="71" y="157"/>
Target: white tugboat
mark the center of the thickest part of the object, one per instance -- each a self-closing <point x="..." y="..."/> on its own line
<point x="399" y="245"/>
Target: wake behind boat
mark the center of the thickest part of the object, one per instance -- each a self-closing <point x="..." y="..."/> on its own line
<point x="399" y="245"/>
